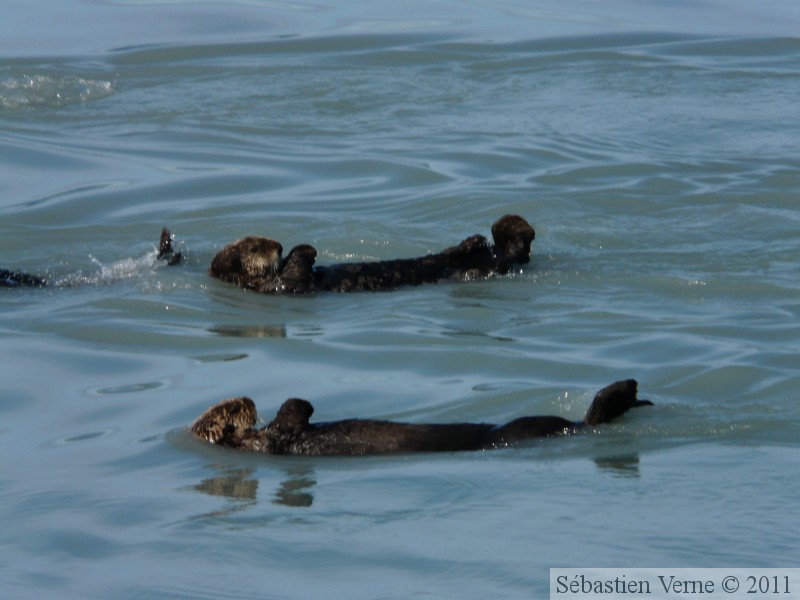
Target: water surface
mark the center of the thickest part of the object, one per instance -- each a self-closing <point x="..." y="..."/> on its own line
<point x="656" y="156"/>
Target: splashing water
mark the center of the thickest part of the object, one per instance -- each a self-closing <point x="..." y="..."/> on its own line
<point x="131" y="268"/>
<point x="45" y="91"/>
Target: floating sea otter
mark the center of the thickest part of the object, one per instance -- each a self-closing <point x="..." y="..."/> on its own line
<point x="232" y="422"/>
<point x="166" y="252"/>
<point x="256" y="263"/>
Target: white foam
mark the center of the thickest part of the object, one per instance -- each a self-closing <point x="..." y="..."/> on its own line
<point x="131" y="268"/>
<point x="33" y="91"/>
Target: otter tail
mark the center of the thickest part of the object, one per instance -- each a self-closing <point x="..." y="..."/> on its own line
<point x="613" y="401"/>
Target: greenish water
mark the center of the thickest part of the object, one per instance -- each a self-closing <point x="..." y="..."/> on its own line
<point x="658" y="162"/>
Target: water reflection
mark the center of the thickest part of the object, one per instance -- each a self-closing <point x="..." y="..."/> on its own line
<point x="235" y="484"/>
<point x="239" y="485"/>
<point x="477" y="334"/>
<point x="297" y="482"/>
<point x="295" y="490"/>
<point x="623" y="465"/>
<point x="249" y="331"/>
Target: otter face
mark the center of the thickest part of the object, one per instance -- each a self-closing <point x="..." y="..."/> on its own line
<point x="252" y="261"/>
<point x="226" y="420"/>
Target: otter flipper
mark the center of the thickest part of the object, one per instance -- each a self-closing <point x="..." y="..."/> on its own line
<point x="297" y="270"/>
<point x="292" y="417"/>
<point x="166" y="249"/>
<point x="613" y="401"/>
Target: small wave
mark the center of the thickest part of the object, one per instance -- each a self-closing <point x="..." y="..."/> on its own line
<point x="45" y="91"/>
<point x="121" y="270"/>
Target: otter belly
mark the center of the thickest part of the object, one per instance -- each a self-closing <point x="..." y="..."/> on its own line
<point x="359" y="437"/>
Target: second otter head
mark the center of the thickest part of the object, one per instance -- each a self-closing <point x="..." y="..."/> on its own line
<point x="251" y="262"/>
<point x="513" y="236"/>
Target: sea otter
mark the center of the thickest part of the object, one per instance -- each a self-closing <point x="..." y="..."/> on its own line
<point x="232" y="422"/>
<point x="256" y="263"/>
<point x="166" y="252"/>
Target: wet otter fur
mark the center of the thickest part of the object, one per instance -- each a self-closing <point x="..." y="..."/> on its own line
<point x="232" y="422"/>
<point x="256" y="263"/>
<point x="20" y="279"/>
<point x="166" y="252"/>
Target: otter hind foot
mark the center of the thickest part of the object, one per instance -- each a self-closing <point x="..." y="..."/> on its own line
<point x="166" y="250"/>
<point x="613" y="401"/>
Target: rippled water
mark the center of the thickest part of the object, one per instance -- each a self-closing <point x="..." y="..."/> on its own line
<point x="658" y="162"/>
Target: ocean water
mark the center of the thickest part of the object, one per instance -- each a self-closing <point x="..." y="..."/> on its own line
<point x="655" y="147"/>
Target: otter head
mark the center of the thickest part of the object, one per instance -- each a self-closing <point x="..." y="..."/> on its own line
<point x="225" y="422"/>
<point x="513" y="236"/>
<point x="251" y="262"/>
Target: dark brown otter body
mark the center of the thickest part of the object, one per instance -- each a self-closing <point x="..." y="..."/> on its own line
<point x="20" y="279"/>
<point x="231" y="423"/>
<point x="166" y="252"/>
<point x="255" y="263"/>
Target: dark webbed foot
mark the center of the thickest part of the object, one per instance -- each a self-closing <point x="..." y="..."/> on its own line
<point x="613" y="401"/>
<point x="292" y="417"/>
<point x="473" y="252"/>
<point x="297" y="270"/>
<point x="166" y="249"/>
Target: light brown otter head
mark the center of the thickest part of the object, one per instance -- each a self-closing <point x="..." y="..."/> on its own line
<point x="513" y="236"/>
<point x="226" y="421"/>
<point x="251" y="262"/>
